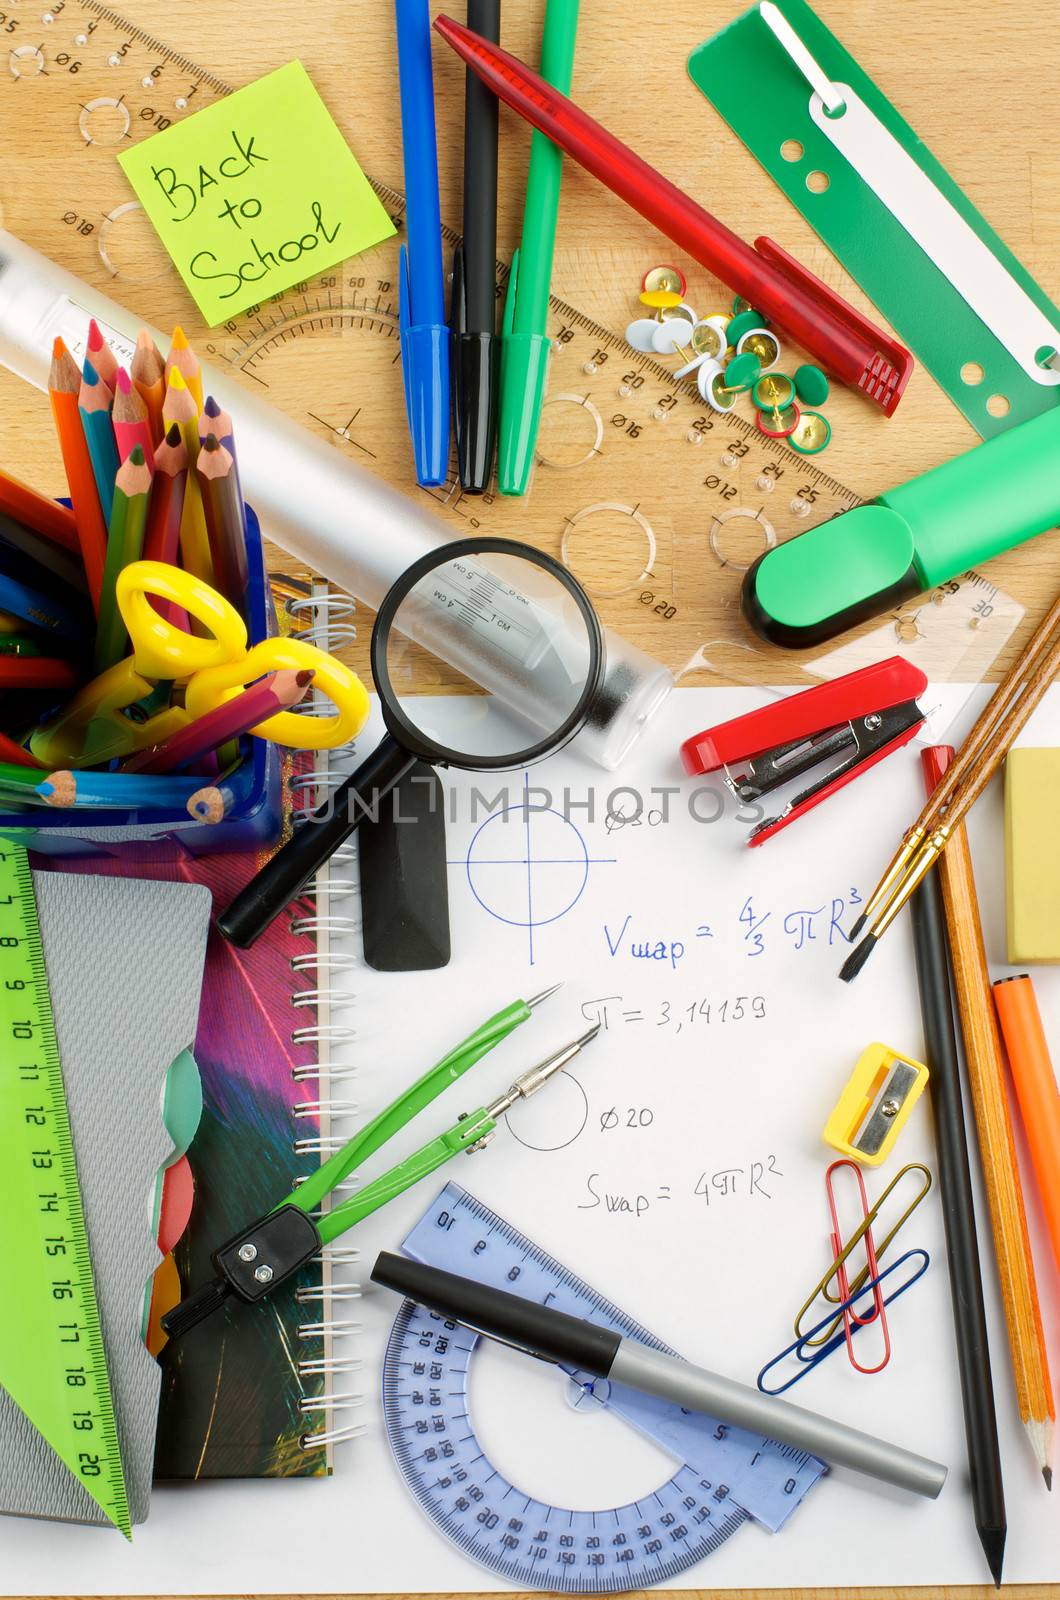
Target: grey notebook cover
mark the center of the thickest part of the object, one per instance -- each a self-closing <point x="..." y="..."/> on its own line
<point x="125" y="962"/>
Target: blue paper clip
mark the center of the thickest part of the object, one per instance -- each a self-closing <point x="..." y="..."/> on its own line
<point x="800" y="1345"/>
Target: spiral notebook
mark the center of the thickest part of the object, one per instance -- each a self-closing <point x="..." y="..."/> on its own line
<point x="252" y="1395"/>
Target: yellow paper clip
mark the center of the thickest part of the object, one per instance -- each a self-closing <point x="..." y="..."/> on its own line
<point x="882" y="1091"/>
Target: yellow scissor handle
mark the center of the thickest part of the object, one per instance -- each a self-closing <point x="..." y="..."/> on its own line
<point x="162" y="650"/>
<point x="344" y="689"/>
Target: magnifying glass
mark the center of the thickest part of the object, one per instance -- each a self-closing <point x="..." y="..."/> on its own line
<point x="485" y="618"/>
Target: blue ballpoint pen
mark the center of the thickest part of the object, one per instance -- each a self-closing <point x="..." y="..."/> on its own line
<point x="424" y="333"/>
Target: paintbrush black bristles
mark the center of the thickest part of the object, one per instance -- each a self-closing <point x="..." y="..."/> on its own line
<point x="857" y="958"/>
<point x="857" y="927"/>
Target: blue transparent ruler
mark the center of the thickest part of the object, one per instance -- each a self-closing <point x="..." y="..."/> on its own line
<point x="726" y="1476"/>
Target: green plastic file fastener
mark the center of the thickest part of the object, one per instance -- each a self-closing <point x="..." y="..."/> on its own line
<point x="749" y="78"/>
<point x="915" y="537"/>
<point x="52" y="1361"/>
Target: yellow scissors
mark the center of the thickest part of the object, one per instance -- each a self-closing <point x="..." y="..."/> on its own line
<point x="210" y="667"/>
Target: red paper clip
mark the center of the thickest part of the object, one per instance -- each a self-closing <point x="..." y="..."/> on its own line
<point x="840" y="1255"/>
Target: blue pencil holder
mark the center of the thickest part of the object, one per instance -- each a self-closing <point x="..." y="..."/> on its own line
<point x="256" y="816"/>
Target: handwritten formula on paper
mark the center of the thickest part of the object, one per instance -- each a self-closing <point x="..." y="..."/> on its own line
<point x="254" y="193"/>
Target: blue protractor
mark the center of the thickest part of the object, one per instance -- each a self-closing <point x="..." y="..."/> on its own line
<point x="728" y="1477"/>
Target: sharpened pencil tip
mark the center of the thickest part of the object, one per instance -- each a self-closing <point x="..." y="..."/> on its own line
<point x="180" y="339"/>
<point x="1047" y="1474"/>
<point x="993" y="1542"/>
<point x="123" y="381"/>
<point x="857" y="958"/>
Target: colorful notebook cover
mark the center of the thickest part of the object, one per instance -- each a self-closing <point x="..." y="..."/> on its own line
<point x="237" y="1400"/>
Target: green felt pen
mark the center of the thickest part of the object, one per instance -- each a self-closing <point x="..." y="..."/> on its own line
<point x="913" y="538"/>
<point x="526" y="346"/>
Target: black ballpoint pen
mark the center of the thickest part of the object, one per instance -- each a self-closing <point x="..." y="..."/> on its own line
<point x="581" y="1346"/>
<point x="473" y="313"/>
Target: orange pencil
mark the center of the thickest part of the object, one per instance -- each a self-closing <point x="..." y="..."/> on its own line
<point x="101" y="355"/>
<point x="46" y="517"/>
<point x="130" y="419"/>
<point x="148" y="375"/>
<point x="1036" y="1091"/>
<point x="64" y="383"/>
<point x="183" y="359"/>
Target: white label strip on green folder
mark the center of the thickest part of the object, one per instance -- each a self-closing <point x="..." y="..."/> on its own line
<point x="924" y="212"/>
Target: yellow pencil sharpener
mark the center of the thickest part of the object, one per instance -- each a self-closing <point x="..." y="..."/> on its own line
<point x="872" y="1110"/>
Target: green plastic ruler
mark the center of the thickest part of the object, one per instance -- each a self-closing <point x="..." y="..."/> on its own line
<point x="747" y="77"/>
<point x="52" y="1361"/>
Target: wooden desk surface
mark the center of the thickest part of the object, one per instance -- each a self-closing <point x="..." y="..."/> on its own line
<point x="971" y="75"/>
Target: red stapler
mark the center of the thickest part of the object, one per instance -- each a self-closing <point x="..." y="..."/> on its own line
<point x="862" y="717"/>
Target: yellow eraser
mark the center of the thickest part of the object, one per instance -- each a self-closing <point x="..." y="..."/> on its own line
<point x="870" y="1113"/>
<point x="1032" y="856"/>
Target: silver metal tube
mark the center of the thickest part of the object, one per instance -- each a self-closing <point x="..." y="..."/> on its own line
<point x="331" y="513"/>
<point x="655" y="1372"/>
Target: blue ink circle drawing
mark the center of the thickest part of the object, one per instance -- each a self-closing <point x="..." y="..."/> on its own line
<point x="527" y="866"/>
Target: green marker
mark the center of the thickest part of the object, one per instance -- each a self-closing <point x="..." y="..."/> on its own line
<point x="526" y="347"/>
<point x="874" y="558"/>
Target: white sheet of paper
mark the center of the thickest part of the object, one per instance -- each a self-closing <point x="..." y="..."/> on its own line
<point x="737" y="1101"/>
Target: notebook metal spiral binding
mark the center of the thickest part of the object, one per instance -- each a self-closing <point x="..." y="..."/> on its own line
<point x="325" y="618"/>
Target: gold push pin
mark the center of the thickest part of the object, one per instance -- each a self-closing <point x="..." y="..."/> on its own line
<point x="761" y="343"/>
<point x="777" y="424"/>
<point x="811" y="434"/>
<point x="669" y="279"/>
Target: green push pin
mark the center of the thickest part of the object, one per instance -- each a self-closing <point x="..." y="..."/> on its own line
<point x="744" y="322"/>
<point x="743" y="372"/>
<point x="811" y="385"/>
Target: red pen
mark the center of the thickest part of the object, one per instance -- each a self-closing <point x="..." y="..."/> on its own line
<point x="839" y="337"/>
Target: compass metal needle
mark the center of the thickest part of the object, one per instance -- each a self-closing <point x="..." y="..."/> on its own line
<point x="530" y="1082"/>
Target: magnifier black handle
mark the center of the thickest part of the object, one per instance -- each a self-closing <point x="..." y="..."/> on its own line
<point x="283" y="878"/>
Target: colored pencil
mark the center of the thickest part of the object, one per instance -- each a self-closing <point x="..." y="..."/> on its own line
<point x="64" y="383"/>
<point x="180" y="408"/>
<point x="211" y="804"/>
<point x="982" y="753"/>
<point x="125" y="539"/>
<point x="13" y="755"/>
<point x="225" y="520"/>
<point x="217" y="421"/>
<point x="101" y="355"/>
<point x="46" y="517"/>
<point x="36" y="672"/>
<point x="162" y="537"/>
<point x="1036" y="1090"/>
<point x="278" y="691"/>
<point x="997" y="1149"/>
<point x="182" y="358"/>
<point x="131" y="422"/>
<point x="94" y="402"/>
<point x="47" y="606"/>
<point x="149" y="381"/>
<point x="108" y="789"/>
<point x="46" y="555"/>
<point x="958" y="1215"/>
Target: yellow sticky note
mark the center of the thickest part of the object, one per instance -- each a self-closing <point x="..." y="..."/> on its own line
<point x="254" y="193"/>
